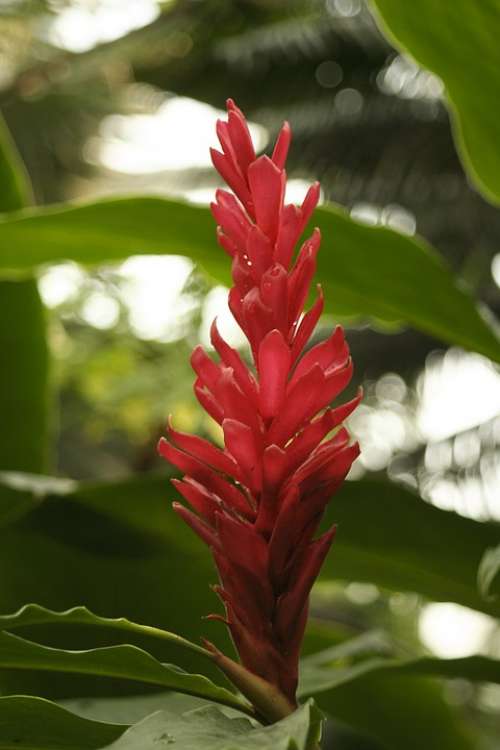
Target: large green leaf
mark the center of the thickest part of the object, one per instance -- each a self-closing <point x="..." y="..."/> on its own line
<point x="120" y="550"/>
<point x="397" y="709"/>
<point x="36" y="724"/>
<point x="23" y="378"/>
<point x="327" y="670"/>
<point x="134" y="708"/>
<point x="24" y="370"/>
<point x="124" y="662"/>
<point x="458" y="40"/>
<point x="385" y="535"/>
<point x="365" y="271"/>
<point x="34" y="614"/>
<point x="384" y="713"/>
<point x="388" y="536"/>
<point x="208" y="728"/>
<point x="402" y="713"/>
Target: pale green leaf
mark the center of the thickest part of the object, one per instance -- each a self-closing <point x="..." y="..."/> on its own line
<point x="488" y="574"/>
<point x="208" y="728"/>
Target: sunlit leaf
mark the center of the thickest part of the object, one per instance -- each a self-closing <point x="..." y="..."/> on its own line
<point x="458" y="41"/>
<point x="365" y="271"/>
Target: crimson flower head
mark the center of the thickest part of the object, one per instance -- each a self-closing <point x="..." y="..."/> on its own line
<point x="257" y="502"/>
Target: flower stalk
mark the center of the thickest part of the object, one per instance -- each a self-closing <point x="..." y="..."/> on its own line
<point x="257" y="503"/>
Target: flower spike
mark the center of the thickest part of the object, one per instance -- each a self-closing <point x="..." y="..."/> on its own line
<point x="258" y="502"/>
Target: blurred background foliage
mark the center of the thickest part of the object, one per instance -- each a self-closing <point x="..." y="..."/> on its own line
<point x="103" y="99"/>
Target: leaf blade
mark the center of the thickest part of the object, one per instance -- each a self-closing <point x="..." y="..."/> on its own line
<point x="123" y="661"/>
<point x="111" y="230"/>
<point x="24" y="375"/>
<point x="209" y="728"/>
<point x="436" y="34"/>
<point x="38" y="724"/>
<point x="34" y="614"/>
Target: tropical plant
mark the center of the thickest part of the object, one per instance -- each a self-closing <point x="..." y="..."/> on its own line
<point x="118" y="583"/>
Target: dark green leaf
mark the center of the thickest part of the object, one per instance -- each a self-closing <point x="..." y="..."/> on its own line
<point x="437" y="34"/>
<point x="124" y="661"/>
<point x="36" y="724"/>
<point x="402" y="713"/>
<point x="327" y="670"/>
<point x="365" y="271"/>
<point x="208" y="728"/>
<point x="384" y="697"/>
<point x="120" y="550"/>
<point x="24" y="370"/>
<point x="23" y="378"/>
<point x="488" y="574"/>
<point x="388" y="536"/>
<point x="34" y="614"/>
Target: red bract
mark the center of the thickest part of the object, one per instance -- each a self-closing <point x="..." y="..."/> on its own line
<point x="258" y="502"/>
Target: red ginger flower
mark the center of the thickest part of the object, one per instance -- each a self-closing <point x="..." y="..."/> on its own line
<point x="258" y="503"/>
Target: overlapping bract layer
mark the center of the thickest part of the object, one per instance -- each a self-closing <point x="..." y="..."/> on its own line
<point x="258" y="502"/>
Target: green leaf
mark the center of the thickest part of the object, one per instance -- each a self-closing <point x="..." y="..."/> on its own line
<point x="24" y="370"/>
<point x="327" y="670"/>
<point x="384" y="696"/>
<point x="402" y="713"/>
<point x="208" y="728"/>
<point x="437" y="34"/>
<point x="16" y="188"/>
<point x="120" y="549"/>
<point x="488" y="574"/>
<point x="388" y="536"/>
<point x="134" y="708"/>
<point x="24" y="376"/>
<point x="353" y="257"/>
<point x="21" y="493"/>
<point x="123" y="661"/>
<point x="34" y="614"/>
<point x="36" y="724"/>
